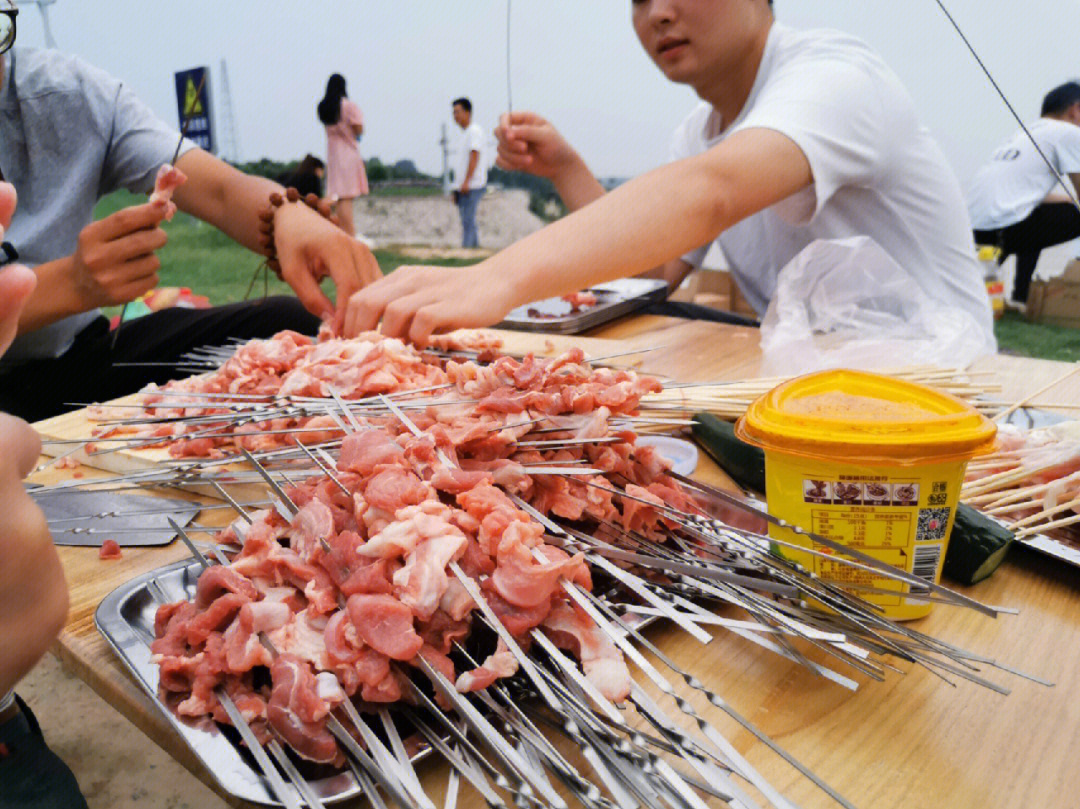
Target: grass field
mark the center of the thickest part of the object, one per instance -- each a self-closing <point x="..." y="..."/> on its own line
<point x="1017" y="336"/>
<point x="201" y="257"/>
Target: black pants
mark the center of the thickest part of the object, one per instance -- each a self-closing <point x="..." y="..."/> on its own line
<point x="86" y="373"/>
<point x="1049" y="224"/>
<point x="31" y="775"/>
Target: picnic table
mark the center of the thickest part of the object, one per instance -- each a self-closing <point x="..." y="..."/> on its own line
<point x="911" y="741"/>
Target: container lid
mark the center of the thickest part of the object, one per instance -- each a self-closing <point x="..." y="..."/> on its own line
<point x="858" y="417"/>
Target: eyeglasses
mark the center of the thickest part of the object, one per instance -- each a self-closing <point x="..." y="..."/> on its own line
<point x="7" y="28"/>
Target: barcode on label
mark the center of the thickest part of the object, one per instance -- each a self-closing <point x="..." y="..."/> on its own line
<point x="924" y="566"/>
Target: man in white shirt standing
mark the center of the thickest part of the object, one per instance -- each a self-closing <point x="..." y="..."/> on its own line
<point x="1016" y="201"/>
<point x="470" y="173"/>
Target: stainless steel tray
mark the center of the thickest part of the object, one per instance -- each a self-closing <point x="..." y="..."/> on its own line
<point x="126" y="620"/>
<point x="614" y="299"/>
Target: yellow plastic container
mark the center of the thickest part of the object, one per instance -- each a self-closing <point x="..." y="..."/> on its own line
<point x="869" y="461"/>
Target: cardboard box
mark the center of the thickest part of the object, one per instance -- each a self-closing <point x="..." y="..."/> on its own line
<point x="715" y="289"/>
<point x="1057" y="301"/>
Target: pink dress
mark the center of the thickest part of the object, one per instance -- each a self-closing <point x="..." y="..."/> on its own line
<point x="345" y="174"/>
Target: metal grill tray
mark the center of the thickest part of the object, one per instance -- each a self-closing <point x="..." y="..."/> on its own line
<point x="125" y="618"/>
<point x="614" y="299"/>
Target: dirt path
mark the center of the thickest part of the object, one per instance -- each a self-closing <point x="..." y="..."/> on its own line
<point x="116" y="765"/>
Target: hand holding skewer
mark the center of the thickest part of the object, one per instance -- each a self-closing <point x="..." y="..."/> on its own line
<point x="115" y="260"/>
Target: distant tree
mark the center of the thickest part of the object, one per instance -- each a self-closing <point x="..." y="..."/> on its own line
<point x="265" y="167"/>
<point x="544" y="201"/>
<point x="377" y="171"/>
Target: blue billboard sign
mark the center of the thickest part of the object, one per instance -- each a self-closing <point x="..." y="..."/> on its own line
<point x="193" y="105"/>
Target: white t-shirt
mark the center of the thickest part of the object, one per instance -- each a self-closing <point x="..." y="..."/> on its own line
<point x="877" y="172"/>
<point x="1008" y="188"/>
<point x="472" y="140"/>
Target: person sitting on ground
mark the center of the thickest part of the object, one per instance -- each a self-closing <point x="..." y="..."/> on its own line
<point x="68" y="127"/>
<point x="306" y="178"/>
<point x="33" y="593"/>
<point x="801" y="135"/>
<point x="1017" y="202"/>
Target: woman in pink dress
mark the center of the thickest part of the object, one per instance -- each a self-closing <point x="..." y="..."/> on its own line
<point x="346" y="178"/>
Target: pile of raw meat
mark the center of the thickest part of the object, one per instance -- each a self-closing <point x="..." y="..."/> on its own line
<point x="1033" y="472"/>
<point x="285" y="366"/>
<point x="343" y="598"/>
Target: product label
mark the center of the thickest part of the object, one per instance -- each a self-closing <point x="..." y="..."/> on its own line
<point x="901" y="516"/>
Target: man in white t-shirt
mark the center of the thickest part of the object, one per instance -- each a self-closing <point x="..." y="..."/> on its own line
<point x="470" y="173"/>
<point x="801" y="135"/>
<point x="1016" y="201"/>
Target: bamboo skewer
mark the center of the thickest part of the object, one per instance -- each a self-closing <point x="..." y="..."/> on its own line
<point x="1037" y="529"/>
<point x="1049" y="512"/>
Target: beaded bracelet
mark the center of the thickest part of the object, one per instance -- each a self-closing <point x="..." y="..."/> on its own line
<point x="266" y="221"/>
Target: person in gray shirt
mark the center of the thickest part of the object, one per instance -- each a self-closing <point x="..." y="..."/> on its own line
<point x="69" y="134"/>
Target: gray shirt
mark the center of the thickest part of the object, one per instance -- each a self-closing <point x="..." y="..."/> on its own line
<point x="69" y="134"/>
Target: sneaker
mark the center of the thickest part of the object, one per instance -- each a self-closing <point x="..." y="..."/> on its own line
<point x="1016" y="306"/>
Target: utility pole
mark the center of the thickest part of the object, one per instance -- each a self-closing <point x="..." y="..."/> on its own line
<point x="43" y="7"/>
<point x="444" y="142"/>
<point x="231" y="150"/>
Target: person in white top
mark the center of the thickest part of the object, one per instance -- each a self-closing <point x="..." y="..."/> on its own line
<point x="470" y="171"/>
<point x="1016" y="201"/>
<point x="800" y="136"/>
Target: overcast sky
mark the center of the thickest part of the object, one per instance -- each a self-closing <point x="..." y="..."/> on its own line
<point x="575" y="61"/>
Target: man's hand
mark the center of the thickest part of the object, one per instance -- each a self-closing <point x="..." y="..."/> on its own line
<point x="115" y="262"/>
<point x="465" y="187"/>
<point x="33" y="595"/>
<point x="16" y="285"/>
<point x="416" y="302"/>
<point x="16" y="282"/>
<point x="529" y="143"/>
<point x="311" y="248"/>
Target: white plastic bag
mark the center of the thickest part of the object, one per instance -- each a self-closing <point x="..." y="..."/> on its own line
<point x="846" y="303"/>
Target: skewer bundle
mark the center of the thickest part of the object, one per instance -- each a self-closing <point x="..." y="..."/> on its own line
<point x="729" y="400"/>
<point x="1033" y="482"/>
<point x="650" y="552"/>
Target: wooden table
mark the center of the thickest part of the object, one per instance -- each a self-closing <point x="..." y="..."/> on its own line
<point x="912" y="741"/>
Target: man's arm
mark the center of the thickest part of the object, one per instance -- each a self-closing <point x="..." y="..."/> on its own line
<point x="33" y="594"/>
<point x="308" y="246"/>
<point x="674" y="272"/>
<point x="1075" y="178"/>
<point x="642" y="224"/>
<point x="223" y="196"/>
